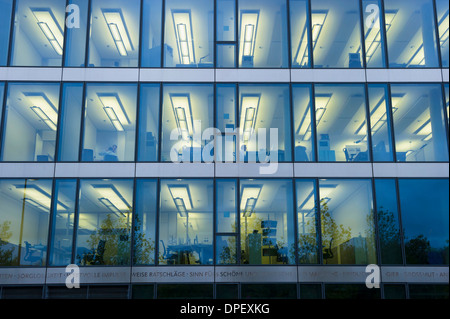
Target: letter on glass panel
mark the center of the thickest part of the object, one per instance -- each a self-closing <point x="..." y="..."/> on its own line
<point x="31" y="120"/>
<point x="24" y="221"/>
<point x="341" y="123"/>
<point x="186" y="222"/>
<point x="38" y="37"/>
<point x="189" y="34"/>
<point x="266" y="222"/>
<point x="424" y="207"/>
<point x="104" y="222"/>
<point x="114" y="33"/>
<point x="336" y="34"/>
<point x="347" y="225"/>
<point x="374" y="36"/>
<point x="110" y="123"/>
<point x="76" y="33"/>
<point x="419" y="125"/>
<point x="263" y="41"/>
<point x="411" y="34"/>
<point x="63" y="217"/>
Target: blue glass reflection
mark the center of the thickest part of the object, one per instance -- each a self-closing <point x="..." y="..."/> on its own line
<point x="5" y="25"/>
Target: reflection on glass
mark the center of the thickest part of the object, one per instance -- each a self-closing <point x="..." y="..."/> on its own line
<point x="2" y="88"/>
<point x="151" y="33"/>
<point x="350" y="291"/>
<point x="226" y="250"/>
<point x="104" y="222"/>
<point x="38" y="36"/>
<point x="114" y="33"/>
<point x="148" y="139"/>
<point x="69" y="132"/>
<point x="410" y="32"/>
<point x="145" y="223"/>
<point x="5" y="25"/>
<point x="109" y="122"/>
<point x="24" y="221"/>
<point x="263" y="41"/>
<point x="186" y="222"/>
<point x="226" y="55"/>
<point x="264" y="114"/>
<point x="373" y="34"/>
<point x="304" y="134"/>
<point x="442" y="19"/>
<point x="269" y="291"/>
<point x="380" y="123"/>
<point x="336" y="34"/>
<point x="266" y="218"/>
<point x="300" y="33"/>
<point x="348" y="230"/>
<point x="447" y="102"/>
<point x="428" y="291"/>
<point x="63" y="222"/>
<point x="307" y="219"/>
<point x="420" y="133"/>
<point x="188" y="110"/>
<point x="387" y="220"/>
<point x="226" y="206"/>
<point x="341" y="123"/>
<point x="76" y="32"/>
<point x="189" y="34"/>
<point x="424" y="206"/>
<point x="31" y="119"/>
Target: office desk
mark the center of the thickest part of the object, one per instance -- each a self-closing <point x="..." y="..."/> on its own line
<point x="180" y="254"/>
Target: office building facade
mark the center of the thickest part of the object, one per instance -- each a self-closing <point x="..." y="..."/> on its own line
<point x="224" y="148"/>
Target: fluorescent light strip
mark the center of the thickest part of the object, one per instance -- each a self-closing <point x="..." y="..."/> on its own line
<point x="249" y="28"/>
<point x="424" y="129"/>
<point x="326" y="190"/>
<point x="182" y="198"/>
<point x="318" y="20"/>
<point x="41" y="114"/>
<point x="443" y="28"/>
<point x="249" y="197"/>
<point x="249" y="112"/>
<point x="43" y="108"/>
<point x="373" y="35"/>
<point x="118" y="29"/>
<point x="49" y="27"/>
<point x="114" y="109"/>
<point x="110" y="192"/>
<point x="181" y="105"/>
<point x="111" y="206"/>
<point x="184" y="36"/>
<point x="33" y="193"/>
<point x="321" y="101"/>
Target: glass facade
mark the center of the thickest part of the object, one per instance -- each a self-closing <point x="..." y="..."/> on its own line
<point x="226" y="149"/>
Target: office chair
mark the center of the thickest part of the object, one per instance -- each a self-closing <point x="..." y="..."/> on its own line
<point x="29" y="254"/>
<point x="348" y="157"/>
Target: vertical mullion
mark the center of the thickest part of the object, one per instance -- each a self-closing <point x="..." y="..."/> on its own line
<point x="56" y="156"/>
<point x="309" y="30"/>
<point x="11" y="33"/>
<point x="314" y="122"/>
<point x="160" y="105"/>
<point x="368" y="125"/>
<point x="50" y="222"/>
<point x="75" y="219"/>
<point x="436" y="30"/>
<point x="63" y="59"/>
<point x="82" y="122"/>
<point x="158" y="205"/>
<point x="88" y="32"/>
<point x="137" y="137"/>
<point x="400" y="222"/>
<point x="319" y="258"/>
<point x="363" y="35"/>
<point x="163" y="22"/>
<point x="384" y="39"/>
<point x="3" y="118"/>
<point x="295" y="217"/>
<point x="391" y="121"/>
<point x="375" y="221"/>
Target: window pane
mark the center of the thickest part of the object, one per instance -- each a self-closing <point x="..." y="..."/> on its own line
<point x="185" y="291"/>
<point x="388" y="223"/>
<point x="187" y="111"/>
<point x="24" y="221"/>
<point x="380" y="122"/>
<point x="104" y="222"/>
<point x="226" y="250"/>
<point x="149" y="122"/>
<point x="61" y="292"/>
<point x="374" y="37"/>
<point x="420" y="133"/>
<point x="108" y="292"/>
<point x="32" y="292"/>
<point x="226" y="206"/>
<point x="304" y="132"/>
<point x="300" y="33"/>
<point x="145" y="222"/>
<point x="5" y="26"/>
<point x="69" y="133"/>
<point x="310" y="291"/>
<point x="307" y="228"/>
<point x="348" y="230"/>
<point x="394" y="291"/>
<point x="442" y="18"/>
<point x="226" y="107"/>
<point x="426" y="237"/>
<point x="264" y="113"/>
<point x="266" y="217"/>
<point x="189" y="34"/>
<point x="151" y="37"/>
<point x="76" y="33"/>
<point x="446" y="86"/>
<point x="341" y="123"/>
<point x="269" y="291"/>
<point x="110" y="122"/>
<point x="226" y="56"/>
<point x="38" y="37"/>
<point x="186" y="222"/>
<point x="336" y="33"/>
<point x="263" y="41"/>
<point x="31" y="119"/>
<point x="2" y="95"/>
<point x="411" y="36"/>
<point x="421" y="291"/>
<point x="63" y="222"/>
<point x="143" y="292"/>
<point x="114" y="33"/>
<point x="225" y="20"/>
<point x="227" y="291"/>
<point x="350" y="291"/>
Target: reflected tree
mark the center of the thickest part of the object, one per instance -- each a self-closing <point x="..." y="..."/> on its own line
<point x="144" y="248"/>
<point x="417" y="250"/>
<point x="6" y="254"/>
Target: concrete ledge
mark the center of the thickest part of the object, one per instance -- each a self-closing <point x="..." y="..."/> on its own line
<point x="332" y="170"/>
<point x="27" y="170"/>
<point x="95" y="170"/>
<point x="174" y="170"/>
